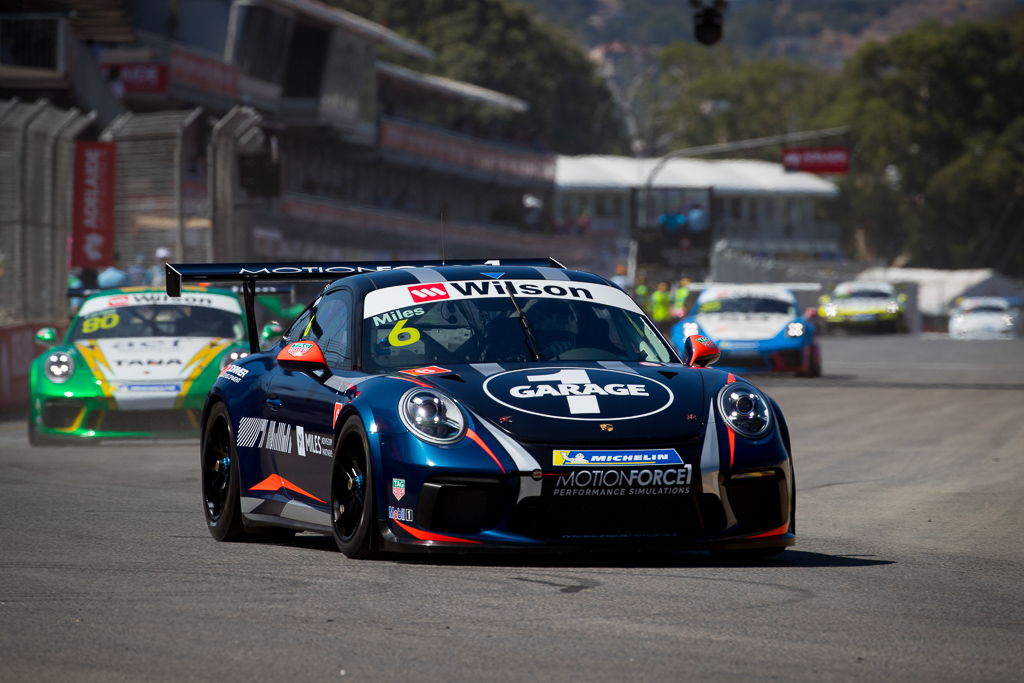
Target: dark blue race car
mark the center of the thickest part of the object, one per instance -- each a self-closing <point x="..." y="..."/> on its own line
<point x="510" y="405"/>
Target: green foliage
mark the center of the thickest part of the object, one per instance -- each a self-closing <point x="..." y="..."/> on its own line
<point x="720" y="97"/>
<point x="504" y="46"/>
<point x="938" y="144"/>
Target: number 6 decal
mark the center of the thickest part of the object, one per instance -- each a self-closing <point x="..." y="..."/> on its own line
<point x="402" y="336"/>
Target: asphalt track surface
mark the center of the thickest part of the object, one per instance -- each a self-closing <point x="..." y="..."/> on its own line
<point x="909" y="563"/>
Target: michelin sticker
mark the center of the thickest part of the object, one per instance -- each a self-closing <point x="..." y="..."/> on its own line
<point x="665" y="456"/>
<point x="579" y="393"/>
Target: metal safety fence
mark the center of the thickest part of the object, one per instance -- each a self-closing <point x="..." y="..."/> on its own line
<point x="161" y="199"/>
<point x="37" y="146"/>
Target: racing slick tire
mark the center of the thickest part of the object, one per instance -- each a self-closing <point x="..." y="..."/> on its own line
<point x="352" y="500"/>
<point x="219" y="463"/>
<point x="813" y="366"/>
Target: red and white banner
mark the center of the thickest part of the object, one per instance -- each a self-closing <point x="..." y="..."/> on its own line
<point x="93" y="211"/>
<point x="203" y="73"/>
<point x="141" y="79"/>
<point x="827" y="160"/>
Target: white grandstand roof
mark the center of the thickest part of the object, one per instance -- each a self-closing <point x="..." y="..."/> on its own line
<point x="450" y="87"/>
<point x="357" y="24"/>
<point x="726" y="176"/>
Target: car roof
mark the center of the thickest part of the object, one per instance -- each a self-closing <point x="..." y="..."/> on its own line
<point x="411" y="276"/>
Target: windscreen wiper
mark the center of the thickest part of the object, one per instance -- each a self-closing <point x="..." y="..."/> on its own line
<point x="531" y="341"/>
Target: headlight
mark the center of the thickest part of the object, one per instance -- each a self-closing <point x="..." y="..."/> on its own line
<point x="59" y="367"/>
<point x="432" y="416"/>
<point x="690" y="329"/>
<point x="892" y="307"/>
<point x="744" y="409"/>
<point x="795" y="330"/>
<point x="229" y="358"/>
<point x="831" y="310"/>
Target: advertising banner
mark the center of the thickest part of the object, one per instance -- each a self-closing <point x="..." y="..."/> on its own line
<point x="93" y="210"/>
<point x="198" y="71"/>
<point x="139" y="79"/>
<point x="825" y="160"/>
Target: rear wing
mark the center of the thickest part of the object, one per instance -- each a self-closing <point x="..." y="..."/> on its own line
<point x="249" y="274"/>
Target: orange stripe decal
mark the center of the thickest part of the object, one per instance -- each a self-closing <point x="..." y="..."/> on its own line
<point x="427" y="536"/>
<point x="414" y="381"/>
<point x="774" y="532"/>
<point x="275" y="482"/>
<point x="480" y="442"/>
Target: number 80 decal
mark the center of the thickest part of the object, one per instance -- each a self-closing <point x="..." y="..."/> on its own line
<point x="100" y="322"/>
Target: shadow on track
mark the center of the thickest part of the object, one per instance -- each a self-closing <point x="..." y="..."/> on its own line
<point x="650" y="560"/>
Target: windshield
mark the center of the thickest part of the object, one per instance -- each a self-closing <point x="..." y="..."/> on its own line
<point x="488" y="330"/>
<point x="985" y="308"/>
<point x="747" y="304"/>
<point x="158" y="321"/>
<point x="864" y="294"/>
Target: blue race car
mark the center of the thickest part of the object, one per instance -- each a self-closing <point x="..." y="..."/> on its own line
<point x="514" y="405"/>
<point x="757" y="328"/>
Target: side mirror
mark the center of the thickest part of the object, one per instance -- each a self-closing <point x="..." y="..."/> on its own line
<point x="901" y="297"/>
<point x="46" y="336"/>
<point x="700" y="351"/>
<point x="304" y="356"/>
<point x="271" y="330"/>
<point x="824" y="299"/>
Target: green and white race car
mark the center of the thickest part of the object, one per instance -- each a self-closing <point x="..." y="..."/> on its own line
<point x="134" y="363"/>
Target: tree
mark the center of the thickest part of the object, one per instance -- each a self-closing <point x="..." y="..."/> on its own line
<point x="937" y="119"/>
<point x="719" y="97"/>
<point x="506" y="47"/>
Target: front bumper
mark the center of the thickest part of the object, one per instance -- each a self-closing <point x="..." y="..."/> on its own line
<point x="789" y="356"/>
<point x="75" y="418"/>
<point x="520" y="511"/>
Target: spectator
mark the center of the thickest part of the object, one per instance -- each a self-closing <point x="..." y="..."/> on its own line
<point x="679" y="297"/>
<point x="661" y="306"/>
<point x="156" y="275"/>
<point x="695" y="217"/>
<point x="620" y="277"/>
<point x="112" y="276"/>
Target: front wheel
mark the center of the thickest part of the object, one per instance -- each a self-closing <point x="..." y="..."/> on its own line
<point x="352" y="509"/>
<point x="219" y="463"/>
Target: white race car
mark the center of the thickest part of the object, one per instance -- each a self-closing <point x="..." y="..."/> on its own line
<point x="983" y="317"/>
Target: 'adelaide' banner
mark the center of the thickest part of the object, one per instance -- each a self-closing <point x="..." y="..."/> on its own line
<point x="93" y="216"/>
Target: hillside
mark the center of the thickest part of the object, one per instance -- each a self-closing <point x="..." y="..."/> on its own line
<point x="820" y="32"/>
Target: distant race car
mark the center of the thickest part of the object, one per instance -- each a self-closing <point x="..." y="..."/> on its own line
<point x="983" y="317"/>
<point x="758" y="328"/>
<point x="134" y="363"/>
<point x="863" y="305"/>
<point x="514" y="405"/>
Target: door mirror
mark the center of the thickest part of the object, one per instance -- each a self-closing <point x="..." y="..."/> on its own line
<point x="304" y="356"/>
<point x="700" y="351"/>
<point x="47" y="336"/>
<point x="271" y="330"/>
